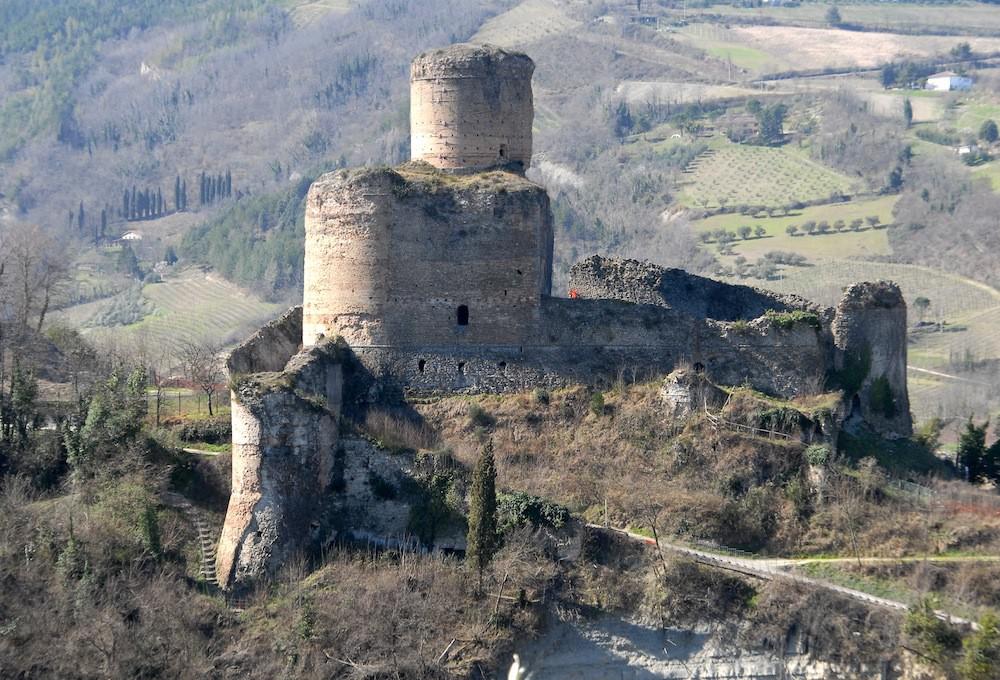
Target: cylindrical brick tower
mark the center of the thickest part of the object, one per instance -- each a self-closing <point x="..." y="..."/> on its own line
<point x="471" y="108"/>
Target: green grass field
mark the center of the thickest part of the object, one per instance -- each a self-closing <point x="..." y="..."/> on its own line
<point x="867" y="242"/>
<point x="991" y="172"/>
<point x="720" y="43"/>
<point x="757" y="175"/>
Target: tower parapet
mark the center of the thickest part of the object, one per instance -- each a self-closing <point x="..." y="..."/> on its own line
<point x="471" y="108"/>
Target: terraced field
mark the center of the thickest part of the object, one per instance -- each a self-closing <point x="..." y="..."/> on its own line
<point x="757" y="175"/>
<point x="189" y="307"/>
<point x="528" y="22"/>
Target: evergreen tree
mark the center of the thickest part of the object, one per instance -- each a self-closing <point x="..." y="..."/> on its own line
<point x="125" y="205"/>
<point x="483" y="540"/>
<point x="104" y="225"/>
<point x="71" y="220"/>
<point x="184" y="194"/>
<point x="170" y="256"/>
<point x="229" y="184"/>
<point x="908" y="112"/>
<point x="982" y="651"/>
<point x="159" y="202"/>
<point x="988" y="131"/>
<point x="972" y="450"/>
<point x="135" y="208"/>
<point x="178" y="206"/>
<point x="80" y="220"/>
<point x="203" y="195"/>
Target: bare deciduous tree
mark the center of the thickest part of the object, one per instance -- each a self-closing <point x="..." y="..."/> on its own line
<point x="203" y="367"/>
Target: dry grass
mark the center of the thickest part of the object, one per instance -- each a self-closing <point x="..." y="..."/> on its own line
<point x="690" y="480"/>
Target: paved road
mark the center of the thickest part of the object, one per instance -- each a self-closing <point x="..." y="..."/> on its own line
<point x="770" y="569"/>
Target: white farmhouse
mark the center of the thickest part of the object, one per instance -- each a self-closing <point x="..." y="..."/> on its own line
<point x="947" y="81"/>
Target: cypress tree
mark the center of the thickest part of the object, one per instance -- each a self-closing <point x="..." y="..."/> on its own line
<point x="135" y="205"/>
<point x="203" y="196"/>
<point x="70" y="222"/>
<point x="125" y="205"/>
<point x="80" y="221"/>
<point x="482" y="538"/>
<point x="104" y="225"/>
<point x="229" y="183"/>
<point x="159" y="202"/>
<point x="972" y="450"/>
<point x="184" y="194"/>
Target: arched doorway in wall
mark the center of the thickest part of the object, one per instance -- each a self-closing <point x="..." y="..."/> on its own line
<point x="462" y="315"/>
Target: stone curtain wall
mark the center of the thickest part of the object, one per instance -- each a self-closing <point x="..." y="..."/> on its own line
<point x="600" y="341"/>
<point x="634" y="281"/>
<point x="391" y="255"/>
<point x="471" y="108"/>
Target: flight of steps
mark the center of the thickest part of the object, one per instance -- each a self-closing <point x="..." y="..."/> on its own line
<point x="206" y="543"/>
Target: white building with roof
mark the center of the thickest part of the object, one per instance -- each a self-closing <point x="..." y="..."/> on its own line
<point x="948" y="81"/>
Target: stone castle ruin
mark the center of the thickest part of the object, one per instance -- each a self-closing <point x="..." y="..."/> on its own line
<point x="434" y="277"/>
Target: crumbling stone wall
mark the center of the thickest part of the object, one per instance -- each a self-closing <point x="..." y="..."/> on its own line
<point x="471" y="108"/>
<point x="869" y="331"/>
<point x="285" y="434"/>
<point x="644" y="282"/>
<point x="393" y="256"/>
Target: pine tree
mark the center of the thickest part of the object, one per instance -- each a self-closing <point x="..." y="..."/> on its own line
<point x="483" y="540"/>
<point x="972" y="450"/>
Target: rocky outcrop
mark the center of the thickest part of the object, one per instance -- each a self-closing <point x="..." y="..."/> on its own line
<point x="869" y="333"/>
<point x="685" y="391"/>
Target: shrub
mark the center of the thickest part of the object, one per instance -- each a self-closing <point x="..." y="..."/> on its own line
<point x="788" y="320"/>
<point x="479" y="417"/>
<point x="209" y="431"/>
<point x="935" y="638"/>
<point x="597" y="404"/>
<point x="853" y="373"/>
<point x="818" y="454"/>
<point x="882" y="400"/>
<point x="541" y="396"/>
<point x="518" y="509"/>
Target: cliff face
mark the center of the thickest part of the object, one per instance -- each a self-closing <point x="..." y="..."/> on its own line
<point x="869" y="332"/>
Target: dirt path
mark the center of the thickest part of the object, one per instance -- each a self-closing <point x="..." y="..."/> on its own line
<point x="771" y="569"/>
